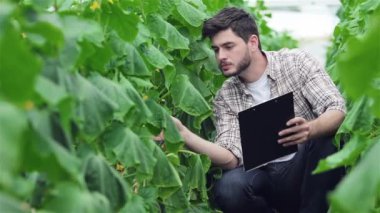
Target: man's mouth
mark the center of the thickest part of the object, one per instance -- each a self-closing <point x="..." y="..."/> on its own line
<point x="225" y="66"/>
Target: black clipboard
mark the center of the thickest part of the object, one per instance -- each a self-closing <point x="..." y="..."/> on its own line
<point x="259" y="127"/>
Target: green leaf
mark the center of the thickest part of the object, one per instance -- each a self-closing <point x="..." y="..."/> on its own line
<point x="43" y="147"/>
<point x="165" y="176"/>
<point x="162" y="121"/>
<point x="100" y="58"/>
<point x="347" y="156"/>
<point x="199" y="51"/>
<point x="134" y="63"/>
<point x="141" y="112"/>
<point x="47" y="35"/>
<point x="100" y="177"/>
<point x="176" y="202"/>
<point x="192" y="15"/>
<point x="358" y="118"/>
<point x="75" y="200"/>
<point x="81" y="29"/>
<point x="115" y="93"/>
<point x="94" y="109"/>
<point x="359" y="190"/>
<point x="9" y="204"/>
<point x="198" y="83"/>
<point x="150" y="6"/>
<point x="187" y="98"/>
<point x="195" y="177"/>
<point x="74" y="34"/>
<point x="130" y="150"/>
<point x="150" y="196"/>
<point x="42" y="4"/>
<point x="166" y="7"/>
<point x="166" y="31"/>
<point x="143" y="35"/>
<point x="215" y="5"/>
<point x="359" y="66"/>
<point x="13" y="125"/>
<point x="14" y="50"/>
<point x="154" y="56"/>
<point x="135" y="204"/>
<point x="49" y="91"/>
<point x="125" y="24"/>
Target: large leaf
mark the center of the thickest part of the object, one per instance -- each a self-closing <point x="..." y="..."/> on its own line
<point x="346" y="156"/>
<point x="52" y="93"/>
<point x="16" y="78"/>
<point x="134" y="63"/>
<point x="102" y="178"/>
<point x="192" y="15"/>
<point x="130" y="150"/>
<point x="125" y="24"/>
<point x="72" y="28"/>
<point x="13" y="125"/>
<point x="150" y="196"/>
<point x="359" y="66"/>
<point x="154" y="56"/>
<point x="145" y="6"/>
<point x="358" y="119"/>
<point x="42" y="148"/>
<point x="194" y="79"/>
<point x="9" y="204"/>
<point x="187" y="98"/>
<point x="195" y="177"/>
<point x="67" y="197"/>
<point x="115" y="93"/>
<point x="135" y="204"/>
<point x="162" y="121"/>
<point x="215" y="5"/>
<point x="359" y="191"/>
<point x="166" y="177"/>
<point x="94" y="109"/>
<point x="177" y="202"/>
<point x="139" y="114"/>
<point x="94" y="57"/>
<point x="46" y="34"/>
<point x="168" y="32"/>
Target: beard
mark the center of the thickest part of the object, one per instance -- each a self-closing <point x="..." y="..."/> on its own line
<point x="240" y="67"/>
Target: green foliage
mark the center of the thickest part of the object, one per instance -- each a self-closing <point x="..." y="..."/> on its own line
<point x="84" y="87"/>
<point x="354" y="63"/>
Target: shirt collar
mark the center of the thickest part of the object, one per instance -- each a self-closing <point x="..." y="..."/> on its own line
<point x="270" y="69"/>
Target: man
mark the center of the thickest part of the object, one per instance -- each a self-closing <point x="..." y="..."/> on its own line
<point x="255" y="77"/>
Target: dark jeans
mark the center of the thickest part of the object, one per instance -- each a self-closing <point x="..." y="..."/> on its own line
<point x="286" y="186"/>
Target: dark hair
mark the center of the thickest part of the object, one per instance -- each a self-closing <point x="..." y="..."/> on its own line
<point x="240" y="22"/>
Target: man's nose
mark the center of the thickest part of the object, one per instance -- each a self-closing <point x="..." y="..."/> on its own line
<point x="221" y="55"/>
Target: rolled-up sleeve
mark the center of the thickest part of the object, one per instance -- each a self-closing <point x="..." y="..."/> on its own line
<point x="227" y="128"/>
<point x="318" y="88"/>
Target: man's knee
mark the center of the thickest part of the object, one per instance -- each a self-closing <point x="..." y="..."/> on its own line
<point x="230" y="189"/>
<point x="238" y="191"/>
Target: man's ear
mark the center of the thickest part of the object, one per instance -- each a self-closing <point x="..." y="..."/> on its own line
<point x="253" y="42"/>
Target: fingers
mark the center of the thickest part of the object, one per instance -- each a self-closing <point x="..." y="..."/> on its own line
<point x="296" y="121"/>
<point x="298" y="132"/>
<point x="293" y="139"/>
<point x="294" y="129"/>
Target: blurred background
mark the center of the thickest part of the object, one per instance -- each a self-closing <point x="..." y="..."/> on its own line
<point x="311" y="22"/>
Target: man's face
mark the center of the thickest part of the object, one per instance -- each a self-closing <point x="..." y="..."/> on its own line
<point x="231" y="53"/>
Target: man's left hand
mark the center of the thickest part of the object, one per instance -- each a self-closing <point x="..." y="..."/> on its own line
<point x="298" y="132"/>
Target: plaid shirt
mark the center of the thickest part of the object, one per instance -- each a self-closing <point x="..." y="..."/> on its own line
<point x="288" y="71"/>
